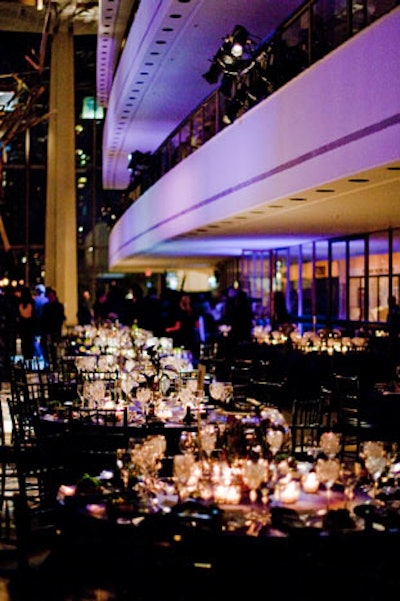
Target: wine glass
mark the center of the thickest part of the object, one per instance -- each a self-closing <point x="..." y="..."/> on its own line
<point x="182" y="467"/>
<point x="253" y="474"/>
<point x="216" y="390"/>
<point x="143" y="395"/>
<point x="221" y="391"/>
<point x="127" y="384"/>
<point x="349" y="477"/>
<point x="208" y="434"/>
<point x="328" y="471"/>
<point x="375" y="460"/>
<point x="375" y="466"/>
<point x="274" y="440"/>
<point x="330" y="444"/>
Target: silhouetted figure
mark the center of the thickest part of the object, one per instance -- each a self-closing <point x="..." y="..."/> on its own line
<point x="85" y="312"/>
<point x="100" y="307"/>
<point x="53" y="319"/>
<point x="26" y="322"/>
<point x="280" y="314"/>
<point x="184" y="326"/>
<point x="238" y="314"/>
<point x="152" y="313"/>
<point x="115" y="302"/>
<point x="393" y="316"/>
<point x="40" y="300"/>
<point x="133" y="307"/>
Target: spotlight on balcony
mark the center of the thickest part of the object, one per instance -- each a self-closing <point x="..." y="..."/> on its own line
<point x="234" y="57"/>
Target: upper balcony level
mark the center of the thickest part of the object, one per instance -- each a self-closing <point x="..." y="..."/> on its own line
<point x="318" y="157"/>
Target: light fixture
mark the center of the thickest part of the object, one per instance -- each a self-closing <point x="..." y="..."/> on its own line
<point x="234" y="57"/>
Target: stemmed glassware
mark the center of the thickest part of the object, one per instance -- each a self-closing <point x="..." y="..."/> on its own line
<point x="143" y="395"/>
<point x="394" y="463"/>
<point x="328" y="471"/>
<point x="274" y="439"/>
<point x="221" y="391"/>
<point x="349" y="476"/>
<point x="182" y="471"/>
<point x="376" y="461"/>
<point x="330" y="444"/>
<point x="127" y="384"/>
<point x="208" y="434"/>
<point x="253" y="474"/>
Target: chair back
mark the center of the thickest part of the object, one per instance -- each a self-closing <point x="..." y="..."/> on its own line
<point x="94" y="436"/>
<point x="24" y="408"/>
<point x="307" y="425"/>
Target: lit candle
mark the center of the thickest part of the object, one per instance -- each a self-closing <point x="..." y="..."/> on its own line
<point x="289" y="492"/>
<point x="310" y="482"/>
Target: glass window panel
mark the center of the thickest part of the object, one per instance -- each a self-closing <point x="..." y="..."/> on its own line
<point x="331" y="23"/>
<point x="359" y="15"/>
<point x="197" y="131"/>
<point x="378" y="276"/>
<point x="377" y="9"/>
<point x="296" y="46"/>
<point x="37" y="206"/>
<point x="14" y="213"/>
<point x="338" y="281"/>
<point x="16" y="150"/>
<point x="357" y="280"/>
<point x="38" y="144"/>
<point x="210" y="117"/>
<point x="294" y="281"/>
<point x="185" y="147"/>
<point x="322" y="280"/>
<point x="307" y="279"/>
<point x="396" y="265"/>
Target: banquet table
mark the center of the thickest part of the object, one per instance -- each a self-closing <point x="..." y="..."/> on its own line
<point x="204" y="545"/>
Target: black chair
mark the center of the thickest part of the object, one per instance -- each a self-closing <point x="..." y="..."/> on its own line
<point x="350" y="411"/>
<point x="93" y="437"/>
<point x="63" y="383"/>
<point x="39" y="471"/>
<point x="308" y="422"/>
<point x="9" y="476"/>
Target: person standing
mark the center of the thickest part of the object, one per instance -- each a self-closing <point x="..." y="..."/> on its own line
<point x="40" y="300"/>
<point x="184" y="326"/>
<point x="85" y="313"/>
<point x="26" y="322"/>
<point x="53" y="319"/>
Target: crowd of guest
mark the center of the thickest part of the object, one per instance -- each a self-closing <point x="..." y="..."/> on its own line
<point x="31" y="322"/>
<point x="188" y="318"/>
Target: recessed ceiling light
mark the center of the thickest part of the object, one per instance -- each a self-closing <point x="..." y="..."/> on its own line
<point x="297" y="199"/>
<point x="325" y="190"/>
<point x="275" y="206"/>
<point x="393" y="168"/>
<point x="358" y="180"/>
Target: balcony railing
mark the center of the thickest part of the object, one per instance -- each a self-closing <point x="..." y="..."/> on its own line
<point x="313" y="31"/>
